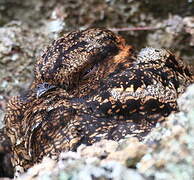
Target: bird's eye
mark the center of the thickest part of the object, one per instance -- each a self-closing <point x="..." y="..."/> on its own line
<point x="43" y="88"/>
<point x="88" y="71"/>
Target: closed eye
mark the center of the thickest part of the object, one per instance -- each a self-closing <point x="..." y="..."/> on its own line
<point x="88" y="71"/>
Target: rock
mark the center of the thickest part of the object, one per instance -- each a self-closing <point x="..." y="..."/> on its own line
<point x="72" y="166"/>
<point x="100" y="149"/>
<point x="19" y="47"/>
<point x="189" y="28"/>
<point x="186" y="101"/>
<point x="103" y="160"/>
<point x="172" y="152"/>
<point x="127" y="151"/>
<point x="168" y="31"/>
<point x="129" y="155"/>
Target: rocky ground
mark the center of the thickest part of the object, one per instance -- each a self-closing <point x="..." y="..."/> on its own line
<point x="26" y="27"/>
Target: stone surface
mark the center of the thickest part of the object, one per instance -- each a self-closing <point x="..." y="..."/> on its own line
<point x="73" y="166"/>
<point x="172" y="152"/>
<point x="19" y="47"/>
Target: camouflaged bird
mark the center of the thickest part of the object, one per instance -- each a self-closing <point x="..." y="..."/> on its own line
<point x="90" y="85"/>
<point x="6" y="169"/>
<point x="78" y="60"/>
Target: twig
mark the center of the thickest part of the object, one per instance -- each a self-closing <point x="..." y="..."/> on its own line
<point x="133" y="29"/>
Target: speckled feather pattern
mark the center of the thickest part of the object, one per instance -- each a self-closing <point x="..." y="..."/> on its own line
<point x="64" y="61"/>
<point x="102" y="89"/>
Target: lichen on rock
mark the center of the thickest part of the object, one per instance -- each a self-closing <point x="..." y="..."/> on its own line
<point x="172" y="155"/>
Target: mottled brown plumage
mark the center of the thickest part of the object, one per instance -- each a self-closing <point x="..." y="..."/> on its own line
<point x="79" y="56"/>
<point x="153" y="81"/>
<point x="67" y="105"/>
<point x="6" y="169"/>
